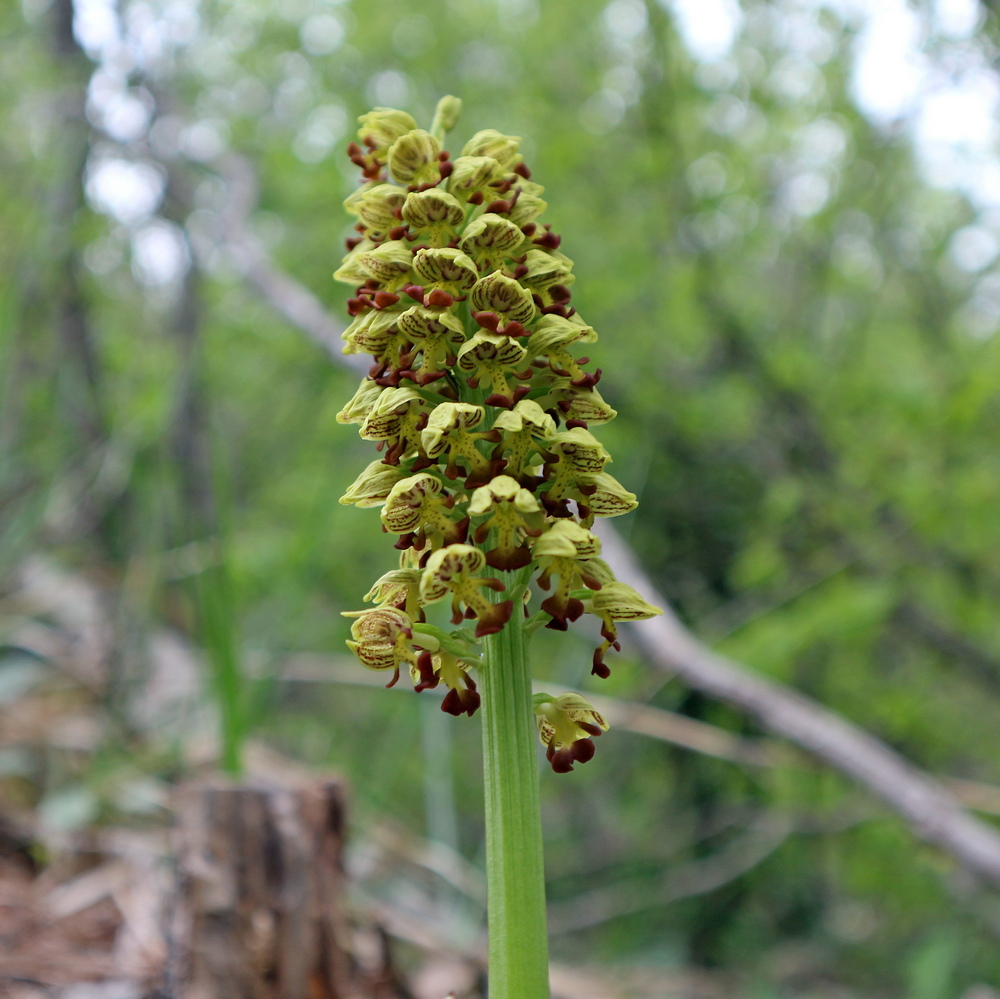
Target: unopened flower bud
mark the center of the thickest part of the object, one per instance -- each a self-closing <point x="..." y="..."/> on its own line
<point x="445" y="116"/>
<point x="373" y="485"/>
<point x="383" y="126"/>
<point x="490" y="142"/>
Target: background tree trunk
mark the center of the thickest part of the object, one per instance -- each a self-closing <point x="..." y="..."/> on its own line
<point x="259" y="910"/>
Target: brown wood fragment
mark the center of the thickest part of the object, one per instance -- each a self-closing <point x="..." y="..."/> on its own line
<point x="259" y="913"/>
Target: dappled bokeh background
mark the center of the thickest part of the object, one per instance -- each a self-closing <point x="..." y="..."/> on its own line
<point x="785" y="218"/>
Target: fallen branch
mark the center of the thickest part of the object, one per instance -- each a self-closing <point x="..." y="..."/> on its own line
<point x="283" y="293"/>
<point x="699" y="877"/>
<point x="931" y="811"/>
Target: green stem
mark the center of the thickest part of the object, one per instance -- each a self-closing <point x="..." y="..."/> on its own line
<point x="515" y="879"/>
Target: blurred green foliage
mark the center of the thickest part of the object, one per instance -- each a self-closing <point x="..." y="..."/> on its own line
<point x="807" y="399"/>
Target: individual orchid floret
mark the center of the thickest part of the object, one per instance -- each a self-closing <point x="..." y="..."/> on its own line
<point x="434" y="216"/>
<point x="575" y="455"/>
<point x="613" y="602"/>
<point x="399" y="588"/>
<point x="604" y="496"/>
<point x="373" y="485"/>
<point x="525" y="208"/>
<point x="500" y="147"/>
<point x="581" y="405"/>
<point x="562" y="551"/>
<point x="437" y="667"/>
<point x="494" y="357"/>
<point x="379" y="130"/>
<point x="354" y="199"/>
<point x="419" y="509"/>
<point x="476" y="178"/>
<point x="446" y="269"/>
<point x="501" y="305"/>
<point x="356" y="410"/>
<point x="436" y="334"/>
<point x="396" y="420"/>
<point x="522" y="427"/>
<point x="547" y="275"/>
<point x="552" y="338"/>
<point x="513" y="514"/>
<point x="566" y="726"/>
<point x="372" y="332"/>
<point x="415" y="158"/>
<point x="453" y="571"/>
<point x="350" y="271"/>
<point x="382" y="127"/>
<point x="390" y="264"/>
<point x="382" y="639"/>
<point x="491" y="239"/>
<point x="451" y="430"/>
<point x="376" y="210"/>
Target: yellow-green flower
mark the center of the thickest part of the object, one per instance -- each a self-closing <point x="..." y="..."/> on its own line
<point x="373" y="485"/>
<point x="454" y="571"/>
<point x="399" y="588"/>
<point x="383" y="126"/>
<point x="494" y="357"/>
<point x="434" y="216"/>
<point x="525" y="428"/>
<point x="552" y="337"/>
<point x="514" y="514"/>
<point x="446" y="269"/>
<point x="613" y="602"/>
<point x="382" y="639"/>
<point x="566" y="726"/>
<point x="475" y="177"/>
<point x="435" y="334"/>
<point x="395" y="421"/>
<point x="562" y="551"/>
<point x="437" y="667"/>
<point x="376" y="210"/>
<point x="450" y="432"/>
<point x="501" y="297"/>
<point x="413" y="158"/>
<point x="500" y="147"/>
<point x="548" y="274"/>
<point x="419" y="508"/>
<point x="491" y="239"/>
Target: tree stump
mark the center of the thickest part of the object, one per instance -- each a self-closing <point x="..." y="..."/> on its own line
<point x="259" y="907"/>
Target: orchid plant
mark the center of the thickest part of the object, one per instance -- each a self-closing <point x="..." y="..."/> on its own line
<point x="489" y="477"/>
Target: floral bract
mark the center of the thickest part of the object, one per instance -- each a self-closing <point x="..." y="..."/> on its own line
<point x="481" y="405"/>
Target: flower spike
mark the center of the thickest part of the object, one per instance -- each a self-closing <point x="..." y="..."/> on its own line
<point x="482" y="403"/>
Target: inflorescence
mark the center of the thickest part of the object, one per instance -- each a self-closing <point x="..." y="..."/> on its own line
<point x="481" y="412"/>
